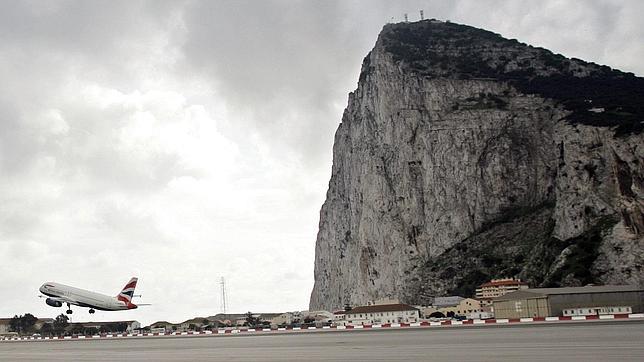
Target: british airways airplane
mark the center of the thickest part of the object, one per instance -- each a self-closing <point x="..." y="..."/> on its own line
<point x="57" y="294"/>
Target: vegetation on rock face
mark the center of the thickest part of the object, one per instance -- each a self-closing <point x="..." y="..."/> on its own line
<point x="518" y="245"/>
<point x="505" y="248"/>
<point x="582" y="253"/>
<point x="438" y="49"/>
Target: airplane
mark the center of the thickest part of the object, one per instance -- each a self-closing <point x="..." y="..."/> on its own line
<point x="57" y="294"/>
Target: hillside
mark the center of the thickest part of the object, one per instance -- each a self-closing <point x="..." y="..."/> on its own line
<point x="463" y="156"/>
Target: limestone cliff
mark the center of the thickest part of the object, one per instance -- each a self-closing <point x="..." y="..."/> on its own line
<point x="464" y="156"/>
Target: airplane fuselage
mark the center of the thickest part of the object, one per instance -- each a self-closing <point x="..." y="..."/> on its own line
<point x="83" y="298"/>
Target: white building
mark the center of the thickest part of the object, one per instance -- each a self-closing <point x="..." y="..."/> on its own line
<point x="597" y="310"/>
<point x="378" y="314"/>
<point x="480" y="315"/>
<point x="286" y="319"/>
<point x="339" y="318"/>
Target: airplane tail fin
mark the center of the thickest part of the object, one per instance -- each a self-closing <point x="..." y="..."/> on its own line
<point x="128" y="291"/>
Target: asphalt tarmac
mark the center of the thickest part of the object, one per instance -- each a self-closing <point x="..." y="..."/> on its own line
<point x="597" y="341"/>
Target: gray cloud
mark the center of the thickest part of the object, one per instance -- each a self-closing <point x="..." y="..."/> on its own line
<point x="290" y="62"/>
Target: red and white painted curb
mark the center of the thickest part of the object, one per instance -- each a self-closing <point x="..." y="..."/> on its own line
<point x="343" y="328"/>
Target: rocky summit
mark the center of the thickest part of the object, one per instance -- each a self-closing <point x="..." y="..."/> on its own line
<point x="464" y="156"/>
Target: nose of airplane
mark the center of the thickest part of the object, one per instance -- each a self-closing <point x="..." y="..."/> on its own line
<point x="44" y="287"/>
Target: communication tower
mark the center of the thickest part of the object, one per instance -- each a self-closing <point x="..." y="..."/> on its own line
<point x="406" y="18"/>
<point x="422" y="16"/>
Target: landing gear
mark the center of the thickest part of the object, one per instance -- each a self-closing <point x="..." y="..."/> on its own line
<point x="69" y="309"/>
<point x="92" y="311"/>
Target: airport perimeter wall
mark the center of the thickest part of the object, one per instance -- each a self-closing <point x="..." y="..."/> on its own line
<point x="448" y="323"/>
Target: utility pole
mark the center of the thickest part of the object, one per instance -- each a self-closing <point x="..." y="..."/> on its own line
<point x="223" y="295"/>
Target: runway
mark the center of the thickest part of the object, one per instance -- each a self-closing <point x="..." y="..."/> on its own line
<point x="599" y="341"/>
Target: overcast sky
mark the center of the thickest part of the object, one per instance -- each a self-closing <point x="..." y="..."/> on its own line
<point x="186" y="141"/>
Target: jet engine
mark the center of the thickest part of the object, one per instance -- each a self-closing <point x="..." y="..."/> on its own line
<point x="53" y="302"/>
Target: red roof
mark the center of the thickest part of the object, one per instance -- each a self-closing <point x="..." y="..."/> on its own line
<point x="499" y="283"/>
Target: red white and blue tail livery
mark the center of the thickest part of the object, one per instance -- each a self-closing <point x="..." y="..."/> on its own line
<point x="57" y="294"/>
<point x="128" y="292"/>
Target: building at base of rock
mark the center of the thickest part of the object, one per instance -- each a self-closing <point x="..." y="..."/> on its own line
<point x="377" y="314"/>
<point x="570" y="301"/>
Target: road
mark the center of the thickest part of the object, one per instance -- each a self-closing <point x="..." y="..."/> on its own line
<point x="598" y="341"/>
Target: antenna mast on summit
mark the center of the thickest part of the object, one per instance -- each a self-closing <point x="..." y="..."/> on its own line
<point x="406" y="18"/>
<point x="223" y="295"/>
<point x="422" y="16"/>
